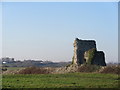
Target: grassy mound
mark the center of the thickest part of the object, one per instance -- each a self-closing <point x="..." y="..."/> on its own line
<point x="35" y="70"/>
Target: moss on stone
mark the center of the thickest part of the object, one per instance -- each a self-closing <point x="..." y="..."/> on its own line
<point x="90" y="55"/>
<point x="72" y="60"/>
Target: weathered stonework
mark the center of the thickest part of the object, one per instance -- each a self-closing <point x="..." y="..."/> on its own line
<point x="85" y="51"/>
<point x="99" y="58"/>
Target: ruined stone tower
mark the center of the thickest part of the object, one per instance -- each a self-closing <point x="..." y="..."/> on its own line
<point x="85" y="51"/>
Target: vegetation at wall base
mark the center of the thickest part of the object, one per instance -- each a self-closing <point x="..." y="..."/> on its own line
<point x="91" y="54"/>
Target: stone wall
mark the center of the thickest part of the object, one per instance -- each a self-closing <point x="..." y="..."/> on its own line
<point x="99" y="58"/>
<point x="81" y="53"/>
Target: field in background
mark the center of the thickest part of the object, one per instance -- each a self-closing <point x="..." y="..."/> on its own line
<point x="14" y="68"/>
<point x="69" y="80"/>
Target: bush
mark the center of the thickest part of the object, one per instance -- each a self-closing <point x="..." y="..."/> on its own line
<point x="4" y="69"/>
<point x="35" y="70"/>
<point x="111" y="69"/>
<point x="68" y="65"/>
<point x="88" y="68"/>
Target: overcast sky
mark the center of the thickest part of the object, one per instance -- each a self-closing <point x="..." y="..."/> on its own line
<point x="47" y="30"/>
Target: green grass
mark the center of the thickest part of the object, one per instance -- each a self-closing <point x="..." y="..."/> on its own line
<point x="14" y="68"/>
<point x="70" y="80"/>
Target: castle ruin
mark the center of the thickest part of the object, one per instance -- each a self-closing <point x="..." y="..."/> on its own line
<point x="85" y="52"/>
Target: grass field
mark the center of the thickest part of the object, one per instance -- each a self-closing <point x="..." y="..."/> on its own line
<point x="70" y="80"/>
<point x="14" y="68"/>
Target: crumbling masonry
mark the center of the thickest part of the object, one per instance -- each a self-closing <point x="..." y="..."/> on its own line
<point x="85" y="52"/>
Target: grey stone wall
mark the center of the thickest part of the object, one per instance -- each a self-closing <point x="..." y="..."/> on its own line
<point x="81" y="46"/>
<point x="99" y="58"/>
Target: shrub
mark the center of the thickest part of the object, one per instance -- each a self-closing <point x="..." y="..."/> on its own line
<point x="111" y="69"/>
<point x="88" y="68"/>
<point x="4" y="69"/>
<point x="35" y="70"/>
<point x="68" y="65"/>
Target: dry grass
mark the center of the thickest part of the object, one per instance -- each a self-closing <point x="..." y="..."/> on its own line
<point x="35" y="70"/>
<point x="115" y="69"/>
<point x="88" y="68"/>
<point x="111" y="69"/>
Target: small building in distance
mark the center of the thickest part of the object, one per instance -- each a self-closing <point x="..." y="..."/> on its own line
<point x="7" y="60"/>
